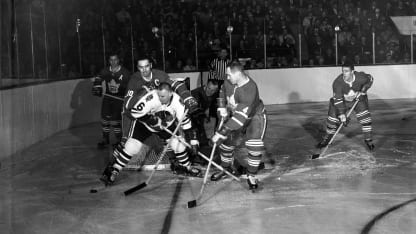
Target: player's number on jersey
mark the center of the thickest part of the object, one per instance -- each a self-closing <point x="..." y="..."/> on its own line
<point x="129" y="93"/>
<point x="140" y="106"/>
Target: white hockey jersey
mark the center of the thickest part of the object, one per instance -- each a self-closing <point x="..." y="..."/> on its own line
<point x="152" y="113"/>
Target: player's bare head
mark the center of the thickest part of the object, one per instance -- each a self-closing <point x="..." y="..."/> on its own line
<point x="211" y="88"/>
<point x="144" y="65"/>
<point x="348" y="65"/>
<point x="113" y="59"/>
<point x="165" y="92"/>
<point x="235" y="71"/>
<point x="347" y="71"/>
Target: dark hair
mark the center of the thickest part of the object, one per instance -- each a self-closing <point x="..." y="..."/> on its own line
<point x="113" y="54"/>
<point x="144" y="57"/>
<point x="350" y="65"/>
<point x="235" y="66"/>
<point x="214" y="82"/>
<point x="165" y="86"/>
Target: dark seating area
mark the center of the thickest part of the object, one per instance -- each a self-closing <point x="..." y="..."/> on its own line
<point x="296" y="33"/>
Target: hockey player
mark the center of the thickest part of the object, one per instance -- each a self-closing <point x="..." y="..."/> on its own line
<point x="206" y="97"/>
<point x="115" y="77"/>
<point x="151" y="78"/>
<point x="151" y="111"/>
<point x="244" y="115"/>
<point x="346" y="87"/>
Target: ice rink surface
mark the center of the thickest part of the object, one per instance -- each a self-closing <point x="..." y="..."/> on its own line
<point x="45" y="188"/>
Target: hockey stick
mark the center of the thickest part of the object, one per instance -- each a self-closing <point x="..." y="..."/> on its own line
<point x="315" y="156"/>
<point x="162" y="154"/>
<point x="193" y="203"/>
<point x="205" y="157"/>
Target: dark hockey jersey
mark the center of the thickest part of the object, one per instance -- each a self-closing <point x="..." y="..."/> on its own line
<point x="115" y="81"/>
<point x="347" y="91"/>
<point x="158" y="76"/>
<point x="243" y="102"/>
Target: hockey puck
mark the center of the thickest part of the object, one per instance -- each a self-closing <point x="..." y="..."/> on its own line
<point x="314" y="156"/>
<point x="93" y="191"/>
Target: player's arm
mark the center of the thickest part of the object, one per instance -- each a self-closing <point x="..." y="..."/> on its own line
<point x="367" y="85"/>
<point x="339" y="104"/>
<point x="238" y="119"/>
<point x="126" y="80"/>
<point x="186" y="125"/>
<point x="222" y="111"/>
<point x="126" y="117"/>
<point x="179" y="86"/>
<point x="97" y="87"/>
<point x="241" y="112"/>
<point x="339" y="99"/>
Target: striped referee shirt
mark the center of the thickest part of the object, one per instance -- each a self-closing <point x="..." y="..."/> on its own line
<point x="218" y="68"/>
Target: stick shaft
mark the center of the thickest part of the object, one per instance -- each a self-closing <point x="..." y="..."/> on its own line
<point x="340" y="126"/>
<point x="165" y="149"/>
<point x="207" y="172"/>
<point x="205" y="157"/>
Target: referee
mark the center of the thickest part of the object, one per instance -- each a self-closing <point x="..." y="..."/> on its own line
<point x="218" y="67"/>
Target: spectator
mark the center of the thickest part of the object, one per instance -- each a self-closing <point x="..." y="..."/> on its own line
<point x="179" y="65"/>
<point x="189" y="65"/>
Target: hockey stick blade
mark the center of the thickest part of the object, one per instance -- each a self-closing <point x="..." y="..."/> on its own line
<point x="134" y="189"/>
<point x="192" y="204"/>
<point x="315" y="156"/>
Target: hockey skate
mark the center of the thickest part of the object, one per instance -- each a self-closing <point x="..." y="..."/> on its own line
<point x="220" y="174"/>
<point x="109" y="175"/>
<point x="187" y="171"/>
<point x="324" y="142"/>
<point x="252" y="182"/>
<point x="370" y="145"/>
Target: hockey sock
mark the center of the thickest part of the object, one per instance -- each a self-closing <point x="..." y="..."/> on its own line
<point x="226" y="153"/>
<point x="121" y="158"/>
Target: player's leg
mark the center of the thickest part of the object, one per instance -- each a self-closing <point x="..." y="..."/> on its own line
<point x="124" y="152"/>
<point x="226" y="151"/>
<point x="255" y="147"/>
<point x="364" y="117"/>
<point x="332" y="124"/>
<point x="117" y="107"/>
<point x="105" y="123"/>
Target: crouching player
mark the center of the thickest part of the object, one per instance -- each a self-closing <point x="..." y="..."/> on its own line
<point x="151" y="112"/>
<point x="244" y="116"/>
<point x="346" y="88"/>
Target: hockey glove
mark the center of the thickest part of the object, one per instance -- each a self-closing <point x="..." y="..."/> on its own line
<point x="222" y="112"/>
<point x="192" y="138"/>
<point x="343" y="119"/>
<point x="220" y="136"/>
<point x="365" y="88"/>
<point x="191" y="104"/>
<point x="222" y="108"/>
<point x="194" y="147"/>
<point x="97" y="89"/>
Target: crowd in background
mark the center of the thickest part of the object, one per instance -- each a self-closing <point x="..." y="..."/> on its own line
<point x="287" y="26"/>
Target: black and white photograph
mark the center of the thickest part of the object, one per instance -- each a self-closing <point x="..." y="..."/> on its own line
<point x="207" y="116"/>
